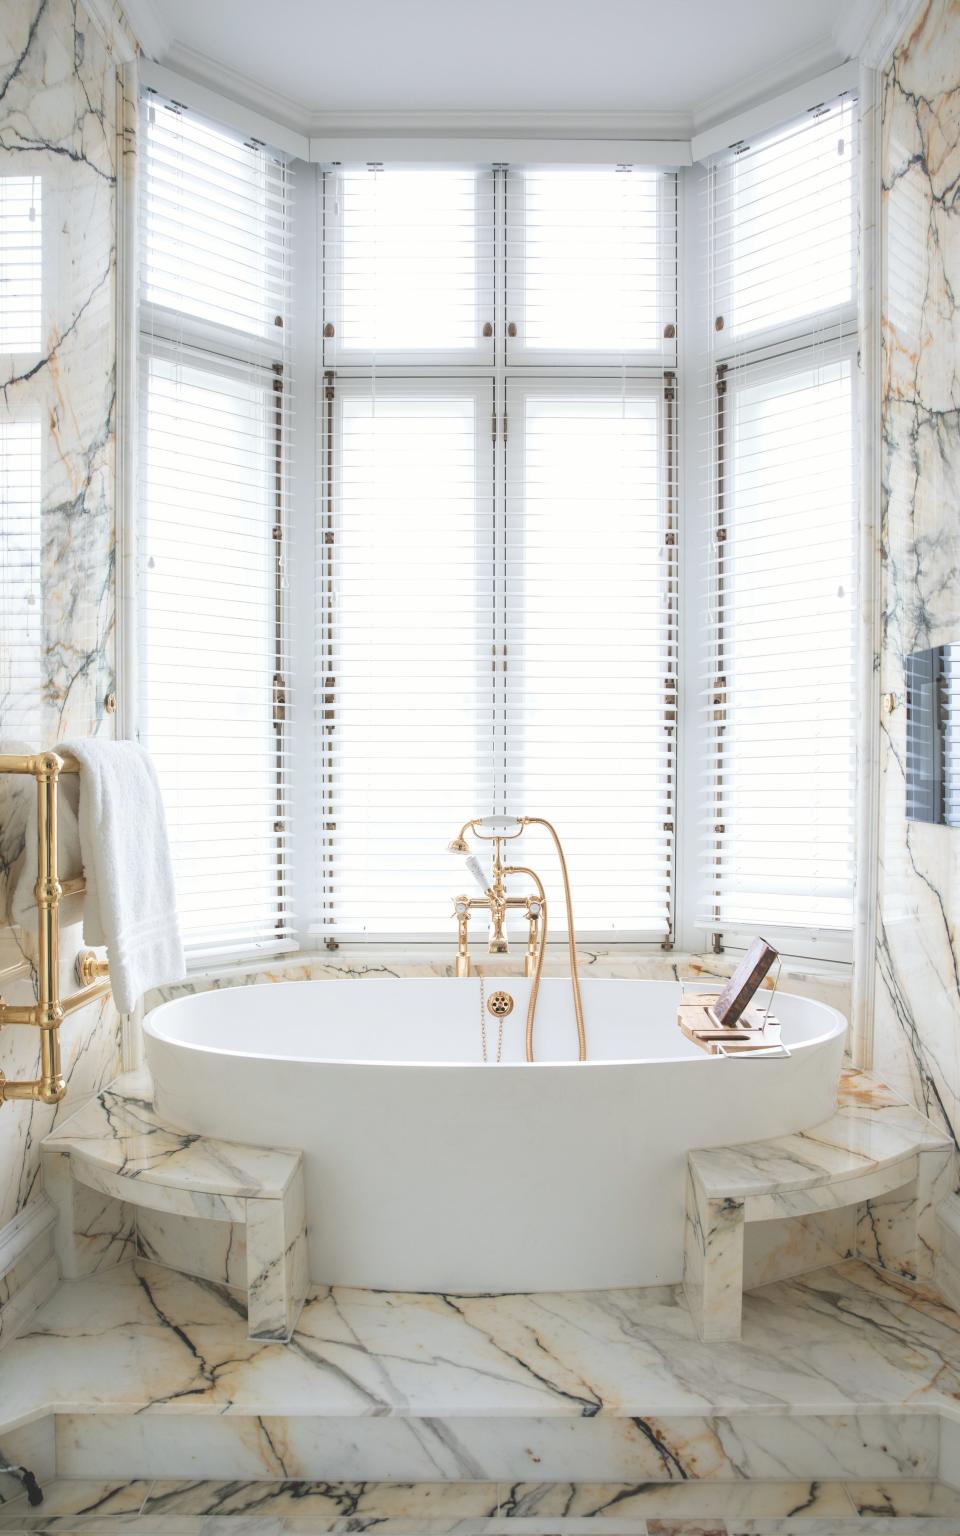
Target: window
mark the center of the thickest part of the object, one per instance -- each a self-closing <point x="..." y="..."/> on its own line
<point x="498" y="532"/>
<point x="20" y="594"/>
<point x="215" y="431"/>
<point x="488" y="607"/>
<point x="21" y="264"/>
<point x="21" y="451"/>
<point x="780" y="819"/>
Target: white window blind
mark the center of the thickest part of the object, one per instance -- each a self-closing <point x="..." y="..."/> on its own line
<point x="782" y="584"/>
<point x="21" y="264"/>
<point x="408" y="259"/>
<point x="497" y="597"/>
<point x="591" y="265"/>
<point x="20" y="591"/>
<point x="404" y="622"/>
<point x="216" y="436"/>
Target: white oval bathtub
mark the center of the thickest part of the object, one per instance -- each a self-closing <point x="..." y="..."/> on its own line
<point x="427" y="1170"/>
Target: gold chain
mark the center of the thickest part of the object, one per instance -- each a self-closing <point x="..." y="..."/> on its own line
<point x="483" y="1025"/>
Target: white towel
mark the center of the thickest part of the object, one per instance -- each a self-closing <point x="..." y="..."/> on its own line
<point x="130" y="904"/>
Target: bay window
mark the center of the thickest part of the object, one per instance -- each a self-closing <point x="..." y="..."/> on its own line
<point x="497" y="404"/>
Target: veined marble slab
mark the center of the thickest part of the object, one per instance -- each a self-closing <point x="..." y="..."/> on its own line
<point x="845" y="1343"/>
<point x="873" y="1129"/>
<point x="119" y="1133"/>
<point x="181" y="1508"/>
<point x="116" y="1154"/>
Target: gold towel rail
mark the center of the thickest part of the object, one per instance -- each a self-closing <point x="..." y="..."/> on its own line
<point x="50" y="1009"/>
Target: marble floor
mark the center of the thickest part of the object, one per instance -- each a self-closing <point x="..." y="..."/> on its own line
<point x="542" y="1415"/>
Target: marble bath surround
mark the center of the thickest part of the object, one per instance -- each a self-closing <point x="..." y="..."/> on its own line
<point x="847" y="1375"/>
<point x="65" y="123"/>
<point x="917" y="1024"/>
<point x="115" y="1157"/>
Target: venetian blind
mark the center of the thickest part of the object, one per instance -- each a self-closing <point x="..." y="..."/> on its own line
<point x="589" y="584"/>
<point x="497" y="590"/>
<point x="216" y="437"/>
<point x="21" y="327"/>
<point x="782" y="586"/>
<point x="21" y="264"/>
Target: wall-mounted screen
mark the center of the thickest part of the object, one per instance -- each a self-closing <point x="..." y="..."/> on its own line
<point x="933" y="735"/>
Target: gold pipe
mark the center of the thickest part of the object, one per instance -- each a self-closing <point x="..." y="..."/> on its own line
<point x="538" y="821"/>
<point x="520" y="869"/>
<point x="50" y="1009"/>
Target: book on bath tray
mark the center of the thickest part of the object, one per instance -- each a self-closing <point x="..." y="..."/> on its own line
<point x="725" y="1020"/>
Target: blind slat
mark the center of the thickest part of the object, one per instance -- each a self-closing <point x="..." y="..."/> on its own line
<point x="214" y="467"/>
<point x="781" y="579"/>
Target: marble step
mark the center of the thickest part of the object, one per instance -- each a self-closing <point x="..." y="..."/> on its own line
<point x="141" y="1372"/>
<point x="145" y="1508"/>
<point x="116" y="1154"/>
<point x="876" y="1153"/>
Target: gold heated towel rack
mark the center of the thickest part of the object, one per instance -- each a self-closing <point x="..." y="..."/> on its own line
<point x="50" y="1009"/>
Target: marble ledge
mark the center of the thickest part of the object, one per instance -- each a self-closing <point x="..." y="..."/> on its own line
<point x="828" y="982"/>
<point x="119" y="1132"/>
<point x="872" y="1129"/>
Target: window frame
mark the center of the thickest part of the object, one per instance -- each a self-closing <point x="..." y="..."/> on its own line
<point x="595" y="361"/>
<point x="309" y="349"/>
<point x="213" y="346"/>
<point x="700" y="356"/>
<point x="647" y="372"/>
<point x="341" y="358"/>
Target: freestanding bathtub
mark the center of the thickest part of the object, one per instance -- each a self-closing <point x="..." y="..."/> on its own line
<point x="428" y="1170"/>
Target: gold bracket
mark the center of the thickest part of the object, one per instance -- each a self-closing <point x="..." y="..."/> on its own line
<point x="89" y="968"/>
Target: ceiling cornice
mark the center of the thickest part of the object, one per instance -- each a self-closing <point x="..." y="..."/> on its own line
<point x="430" y="124"/>
<point x="585" y="125"/>
<point x="230" y="82"/>
<point x="792" y="69"/>
<point x="868" y="29"/>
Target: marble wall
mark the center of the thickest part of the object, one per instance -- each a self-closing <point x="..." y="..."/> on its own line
<point x="917" y="1037"/>
<point x="65" y="129"/>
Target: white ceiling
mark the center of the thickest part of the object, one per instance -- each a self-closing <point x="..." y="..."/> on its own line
<point x="313" y="62"/>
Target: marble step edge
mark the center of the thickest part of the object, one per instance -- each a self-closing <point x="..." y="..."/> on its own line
<point x="120" y="1133"/>
<point x="872" y="1129"/>
<point x="161" y="1504"/>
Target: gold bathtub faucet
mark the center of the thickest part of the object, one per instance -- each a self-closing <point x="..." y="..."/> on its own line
<point x="498" y="829"/>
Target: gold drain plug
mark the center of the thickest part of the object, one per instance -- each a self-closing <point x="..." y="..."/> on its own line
<point x="499" y="1004"/>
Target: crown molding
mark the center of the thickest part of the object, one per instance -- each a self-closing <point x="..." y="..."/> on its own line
<point x="793" y="69"/>
<point x="148" y="27"/>
<point x="544" y="125"/>
<point x="420" y="123"/>
<point x="867" y="29"/>
<point x="207" y="72"/>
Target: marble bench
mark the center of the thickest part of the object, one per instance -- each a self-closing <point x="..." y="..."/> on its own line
<point x="116" y="1155"/>
<point x="877" y="1154"/>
